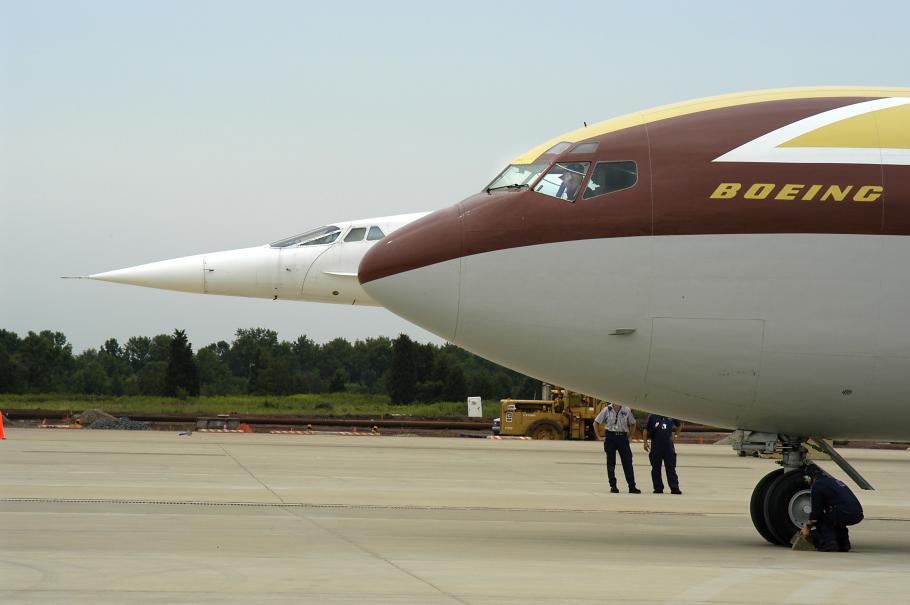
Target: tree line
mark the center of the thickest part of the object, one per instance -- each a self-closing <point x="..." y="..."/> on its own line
<point x="255" y="362"/>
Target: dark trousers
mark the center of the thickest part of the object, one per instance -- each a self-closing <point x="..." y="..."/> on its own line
<point x="831" y="533"/>
<point x="619" y="443"/>
<point x="663" y="454"/>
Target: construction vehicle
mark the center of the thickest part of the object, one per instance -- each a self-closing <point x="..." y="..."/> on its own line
<point x="559" y="414"/>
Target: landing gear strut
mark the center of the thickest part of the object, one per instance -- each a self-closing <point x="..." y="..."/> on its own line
<point x="780" y="503"/>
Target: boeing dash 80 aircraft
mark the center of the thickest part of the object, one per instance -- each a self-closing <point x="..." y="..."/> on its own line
<point x="737" y="260"/>
<point x="740" y="261"/>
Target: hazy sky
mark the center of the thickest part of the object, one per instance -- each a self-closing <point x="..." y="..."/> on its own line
<point x="139" y="131"/>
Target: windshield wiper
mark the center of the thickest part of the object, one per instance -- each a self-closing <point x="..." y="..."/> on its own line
<point x="512" y="186"/>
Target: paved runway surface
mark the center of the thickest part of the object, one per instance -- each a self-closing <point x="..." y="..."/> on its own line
<point x="126" y="517"/>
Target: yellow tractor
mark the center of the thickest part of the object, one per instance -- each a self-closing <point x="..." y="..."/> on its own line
<point x="561" y="414"/>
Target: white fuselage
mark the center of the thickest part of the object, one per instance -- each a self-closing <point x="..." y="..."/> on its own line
<point x="788" y="333"/>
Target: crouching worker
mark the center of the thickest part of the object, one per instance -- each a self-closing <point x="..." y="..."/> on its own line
<point x="834" y="507"/>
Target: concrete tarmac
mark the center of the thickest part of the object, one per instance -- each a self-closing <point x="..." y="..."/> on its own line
<point x="150" y="517"/>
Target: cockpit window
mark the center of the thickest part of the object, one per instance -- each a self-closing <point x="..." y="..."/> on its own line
<point x="328" y="238"/>
<point x="585" y="148"/>
<point x="355" y="235"/>
<point x="563" y="180"/>
<point x="375" y="233"/>
<point x="322" y="235"/>
<point x="611" y="176"/>
<point x="558" y="148"/>
<point x="517" y="176"/>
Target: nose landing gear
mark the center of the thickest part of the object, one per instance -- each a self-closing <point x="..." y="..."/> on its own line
<point x="780" y="504"/>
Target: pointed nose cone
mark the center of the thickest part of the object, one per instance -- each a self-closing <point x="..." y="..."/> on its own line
<point x="183" y="274"/>
<point x="432" y="239"/>
<point x="415" y="272"/>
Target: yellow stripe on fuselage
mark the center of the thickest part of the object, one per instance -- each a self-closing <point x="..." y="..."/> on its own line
<point x="885" y="128"/>
<point x="901" y="132"/>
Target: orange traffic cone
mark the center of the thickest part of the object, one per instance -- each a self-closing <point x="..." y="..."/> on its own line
<point x="2" y="435"/>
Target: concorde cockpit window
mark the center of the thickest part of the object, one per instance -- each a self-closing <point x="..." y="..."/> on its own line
<point x="517" y="176"/>
<point x="314" y="237"/>
<point x="563" y="180"/>
<point x="355" y="235"/>
<point x="611" y="176"/>
<point x="375" y="233"/>
<point x="328" y="238"/>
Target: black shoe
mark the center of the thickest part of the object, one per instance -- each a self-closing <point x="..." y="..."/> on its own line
<point x="676" y="491"/>
<point x="614" y="490"/>
<point x="634" y="490"/>
<point x="658" y="491"/>
<point x="843" y="545"/>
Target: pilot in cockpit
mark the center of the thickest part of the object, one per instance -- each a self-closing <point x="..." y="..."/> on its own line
<point x="569" y="187"/>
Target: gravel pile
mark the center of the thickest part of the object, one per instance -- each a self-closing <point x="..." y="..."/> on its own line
<point x="89" y="416"/>
<point x="123" y="424"/>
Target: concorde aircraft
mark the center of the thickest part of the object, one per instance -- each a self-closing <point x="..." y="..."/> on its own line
<point x="318" y="265"/>
<point x="737" y="260"/>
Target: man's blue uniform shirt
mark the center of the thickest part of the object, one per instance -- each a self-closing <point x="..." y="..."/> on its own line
<point x="660" y="428"/>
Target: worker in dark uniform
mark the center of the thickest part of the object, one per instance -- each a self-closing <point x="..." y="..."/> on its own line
<point x="661" y="431"/>
<point x="616" y="421"/>
<point x="834" y="507"/>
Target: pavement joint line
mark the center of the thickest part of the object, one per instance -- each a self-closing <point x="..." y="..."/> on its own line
<point x="340" y="536"/>
<point x="171" y="594"/>
<point x="648" y="466"/>
<point x="250" y="473"/>
<point x="412" y="507"/>
<point x="118" y="453"/>
<point x="286" y="504"/>
<point x="292" y="505"/>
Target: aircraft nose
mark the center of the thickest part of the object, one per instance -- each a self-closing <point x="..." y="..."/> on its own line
<point x="184" y="274"/>
<point x="432" y="239"/>
<point x="415" y="271"/>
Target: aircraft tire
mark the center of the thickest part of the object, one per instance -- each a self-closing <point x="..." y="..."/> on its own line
<point x="545" y="430"/>
<point x="787" y="491"/>
<point x="757" y="505"/>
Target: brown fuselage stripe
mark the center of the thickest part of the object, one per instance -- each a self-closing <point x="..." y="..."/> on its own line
<point x="677" y="177"/>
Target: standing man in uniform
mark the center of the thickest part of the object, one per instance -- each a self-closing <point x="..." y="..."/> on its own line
<point x="616" y="421"/>
<point x="834" y="507"/>
<point x="661" y="430"/>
